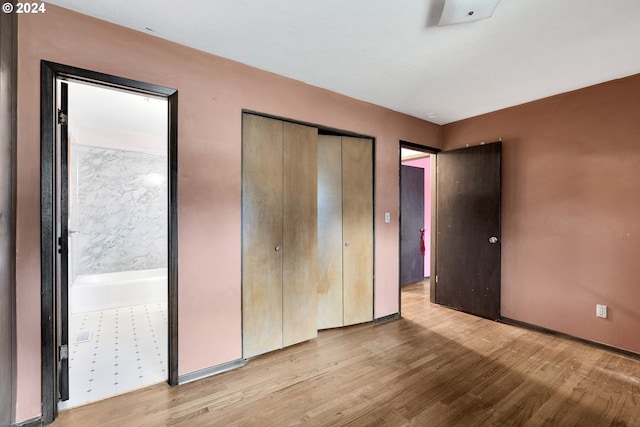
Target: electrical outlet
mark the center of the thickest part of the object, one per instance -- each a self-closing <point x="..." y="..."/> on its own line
<point x="387" y="217"/>
<point x="601" y="311"/>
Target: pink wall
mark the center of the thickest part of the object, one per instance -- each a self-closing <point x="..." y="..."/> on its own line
<point x="212" y="93"/>
<point x="425" y="163"/>
<point x="570" y="209"/>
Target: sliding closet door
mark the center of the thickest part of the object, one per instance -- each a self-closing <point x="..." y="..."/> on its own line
<point x="357" y="224"/>
<point x="300" y="235"/>
<point x="262" y="152"/>
<point x="329" y="232"/>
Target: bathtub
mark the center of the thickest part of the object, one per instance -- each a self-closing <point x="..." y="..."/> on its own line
<point x="93" y="292"/>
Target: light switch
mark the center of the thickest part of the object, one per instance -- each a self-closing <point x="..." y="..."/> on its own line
<point x="601" y="311"/>
<point x="387" y="217"/>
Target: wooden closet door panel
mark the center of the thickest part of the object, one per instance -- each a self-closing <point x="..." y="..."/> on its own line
<point x="261" y="234"/>
<point x="357" y="223"/>
<point x="300" y="242"/>
<point x="329" y="232"/>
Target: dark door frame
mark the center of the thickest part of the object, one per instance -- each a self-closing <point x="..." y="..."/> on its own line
<point x="50" y="72"/>
<point x="433" y="153"/>
<point x="8" y="129"/>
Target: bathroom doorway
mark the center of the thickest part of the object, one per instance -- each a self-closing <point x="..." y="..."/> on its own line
<point x="117" y="241"/>
<point x="109" y="236"/>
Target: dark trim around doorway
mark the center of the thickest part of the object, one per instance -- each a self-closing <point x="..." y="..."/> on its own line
<point x="8" y="126"/>
<point x="51" y="71"/>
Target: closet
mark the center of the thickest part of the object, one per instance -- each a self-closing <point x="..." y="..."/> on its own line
<point x="345" y="231"/>
<point x="279" y="234"/>
<point x="307" y="233"/>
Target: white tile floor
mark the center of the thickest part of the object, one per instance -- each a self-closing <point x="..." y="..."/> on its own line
<point x="127" y="350"/>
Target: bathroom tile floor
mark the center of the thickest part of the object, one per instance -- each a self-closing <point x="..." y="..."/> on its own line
<point x="115" y="351"/>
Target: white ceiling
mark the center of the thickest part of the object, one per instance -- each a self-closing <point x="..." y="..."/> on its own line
<point x="392" y="53"/>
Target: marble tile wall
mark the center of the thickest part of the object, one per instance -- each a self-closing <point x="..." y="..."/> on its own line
<point x="118" y="208"/>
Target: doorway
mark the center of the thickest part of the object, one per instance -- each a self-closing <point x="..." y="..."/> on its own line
<point x="417" y="173"/>
<point x="469" y="189"/>
<point x="109" y="236"/>
<point x="465" y="228"/>
<point x="415" y="207"/>
<point x="117" y="241"/>
<point x="417" y="219"/>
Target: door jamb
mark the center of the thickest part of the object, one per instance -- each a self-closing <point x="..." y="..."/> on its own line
<point x="8" y="200"/>
<point x="50" y="71"/>
<point x="432" y="261"/>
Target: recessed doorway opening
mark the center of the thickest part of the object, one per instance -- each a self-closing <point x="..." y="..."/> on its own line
<point x="415" y="207"/>
<point x="417" y="219"/>
<point x="117" y="241"/>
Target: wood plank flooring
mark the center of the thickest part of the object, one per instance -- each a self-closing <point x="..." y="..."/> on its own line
<point x="433" y="367"/>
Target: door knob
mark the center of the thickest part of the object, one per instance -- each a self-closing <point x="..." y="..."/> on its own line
<point x="347" y="244"/>
<point x="493" y="240"/>
<point x="277" y="248"/>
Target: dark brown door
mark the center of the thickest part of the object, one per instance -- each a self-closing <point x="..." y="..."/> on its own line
<point x="411" y="224"/>
<point x="468" y="230"/>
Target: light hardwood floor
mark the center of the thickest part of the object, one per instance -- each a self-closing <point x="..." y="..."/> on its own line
<point x="433" y="367"/>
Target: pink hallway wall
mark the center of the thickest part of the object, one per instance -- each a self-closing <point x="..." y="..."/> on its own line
<point x="212" y="93"/>
<point x="570" y="209"/>
<point x="425" y="163"/>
